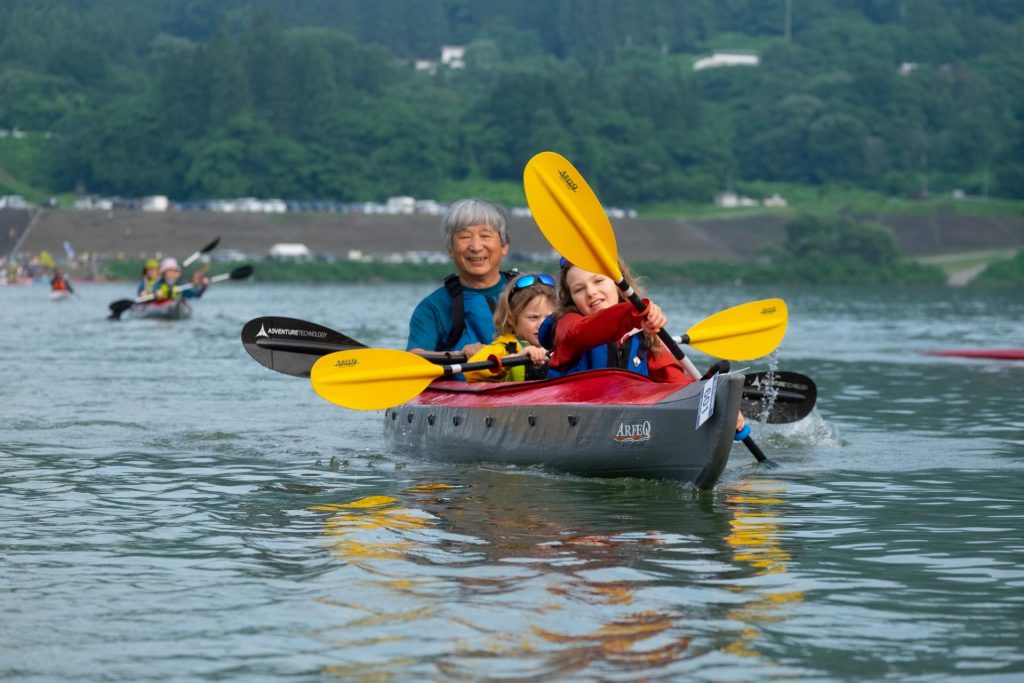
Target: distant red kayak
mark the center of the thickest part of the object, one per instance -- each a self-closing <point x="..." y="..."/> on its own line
<point x="992" y="354"/>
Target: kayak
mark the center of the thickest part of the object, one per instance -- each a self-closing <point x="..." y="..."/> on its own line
<point x="609" y="423"/>
<point x="990" y="354"/>
<point x="171" y="309"/>
<point x="60" y="295"/>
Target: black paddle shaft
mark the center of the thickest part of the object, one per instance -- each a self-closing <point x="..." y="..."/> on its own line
<point x="663" y="334"/>
<point x="489" y="364"/>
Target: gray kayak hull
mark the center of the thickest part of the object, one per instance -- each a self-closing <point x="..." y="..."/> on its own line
<point x="178" y="309"/>
<point x="607" y="423"/>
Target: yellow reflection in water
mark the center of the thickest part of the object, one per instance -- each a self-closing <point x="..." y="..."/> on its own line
<point x="755" y="539"/>
<point x="372" y="513"/>
<point x="617" y="640"/>
<point x="365" y="531"/>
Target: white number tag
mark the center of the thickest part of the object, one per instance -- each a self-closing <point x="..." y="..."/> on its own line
<point x="707" y="402"/>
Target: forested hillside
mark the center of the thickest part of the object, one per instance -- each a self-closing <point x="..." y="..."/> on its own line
<point x="321" y="98"/>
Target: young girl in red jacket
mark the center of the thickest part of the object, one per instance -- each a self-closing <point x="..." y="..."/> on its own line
<point x="596" y="327"/>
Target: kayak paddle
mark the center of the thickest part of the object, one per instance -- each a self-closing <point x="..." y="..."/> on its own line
<point x="205" y="250"/>
<point x="291" y="346"/>
<point x="778" y="397"/>
<point x="574" y="222"/>
<point x="374" y="379"/>
<point x="117" y="308"/>
<point x="743" y="332"/>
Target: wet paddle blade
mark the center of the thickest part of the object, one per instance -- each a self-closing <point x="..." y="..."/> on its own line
<point x="117" y="308"/>
<point x="778" y="397"/>
<point x="205" y="250"/>
<point x="570" y="214"/>
<point x="239" y="273"/>
<point x="291" y="346"/>
<point x="372" y="379"/>
<point x="743" y="332"/>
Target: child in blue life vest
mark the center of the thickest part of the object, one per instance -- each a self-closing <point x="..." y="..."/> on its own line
<point x="595" y="327"/>
<point x="524" y="304"/>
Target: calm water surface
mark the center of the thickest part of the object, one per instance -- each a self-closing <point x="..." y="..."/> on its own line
<point x="172" y="511"/>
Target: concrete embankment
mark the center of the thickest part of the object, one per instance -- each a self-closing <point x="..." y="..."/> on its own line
<point x="136" y="234"/>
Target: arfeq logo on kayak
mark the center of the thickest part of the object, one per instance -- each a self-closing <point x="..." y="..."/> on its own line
<point x="635" y="431"/>
<point x="768" y="310"/>
<point x="346" y="362"/>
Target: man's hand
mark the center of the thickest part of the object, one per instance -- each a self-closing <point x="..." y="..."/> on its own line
<point x="470" y="349"/>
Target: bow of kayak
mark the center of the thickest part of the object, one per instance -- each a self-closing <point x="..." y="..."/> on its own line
<point x="171" y="309"/>
<point x="598" y="423"/>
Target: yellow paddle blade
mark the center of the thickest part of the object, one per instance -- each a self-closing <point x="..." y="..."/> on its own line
<point x="569" y="214"/>
<point x="743" y="332"/>
<point x="372" y="379"/>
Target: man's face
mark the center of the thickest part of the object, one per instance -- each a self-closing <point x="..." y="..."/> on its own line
<point x="477" y="251"/>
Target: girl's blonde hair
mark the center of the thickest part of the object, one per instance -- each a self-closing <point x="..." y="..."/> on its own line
<point x="512" y="302"/>
<point x="565" y="304"/>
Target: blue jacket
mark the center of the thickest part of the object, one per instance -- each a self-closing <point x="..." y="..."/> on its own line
<point x="432" y="319"/>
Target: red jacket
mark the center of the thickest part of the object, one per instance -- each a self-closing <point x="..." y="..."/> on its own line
<point x="576" y="334"/>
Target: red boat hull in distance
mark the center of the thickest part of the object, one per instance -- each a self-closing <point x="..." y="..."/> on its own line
<point x="990" y="354"/>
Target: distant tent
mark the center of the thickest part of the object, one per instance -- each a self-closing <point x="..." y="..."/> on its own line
<point x="293" y="250"/>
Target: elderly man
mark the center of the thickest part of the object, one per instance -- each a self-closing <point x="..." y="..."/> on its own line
<point x="459" y="316"/>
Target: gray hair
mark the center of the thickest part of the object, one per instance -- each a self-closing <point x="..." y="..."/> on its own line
<point x="466" y="212"/>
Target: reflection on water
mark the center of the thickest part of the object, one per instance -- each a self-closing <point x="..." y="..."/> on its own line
<point x="523" y="594"/>
<point x="756" y="541"/>
<point x="173" y="511"/>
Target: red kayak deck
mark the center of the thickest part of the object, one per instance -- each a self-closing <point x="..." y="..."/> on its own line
<point x="599" y="387"/>
<point x="990" y="354"/>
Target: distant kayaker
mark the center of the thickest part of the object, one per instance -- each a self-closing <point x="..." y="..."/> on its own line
<point x="150" y="274"/>
<point x="59" y="283"/>
<point x="526" y="302"/>
<point x="594" y="328"/>
<point x="169" y="285"/>
<point x="459" y="315"/>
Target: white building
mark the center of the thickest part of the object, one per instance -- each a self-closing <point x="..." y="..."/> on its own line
<point x="290" y="250"/>
<point x="453" y="56"/>
<point x="401" y="205"/>
<point x="155" y="203"/>
<point x="428" y="65"/>
<point x="730" y="58"/>
<point x="728" y="199"/>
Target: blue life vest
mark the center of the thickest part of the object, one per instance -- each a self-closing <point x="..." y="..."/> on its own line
<point x="632" y="357"/>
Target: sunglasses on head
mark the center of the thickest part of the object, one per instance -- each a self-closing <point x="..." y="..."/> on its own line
<point x="563" y="263"/>
<point x="528" y="280"/>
